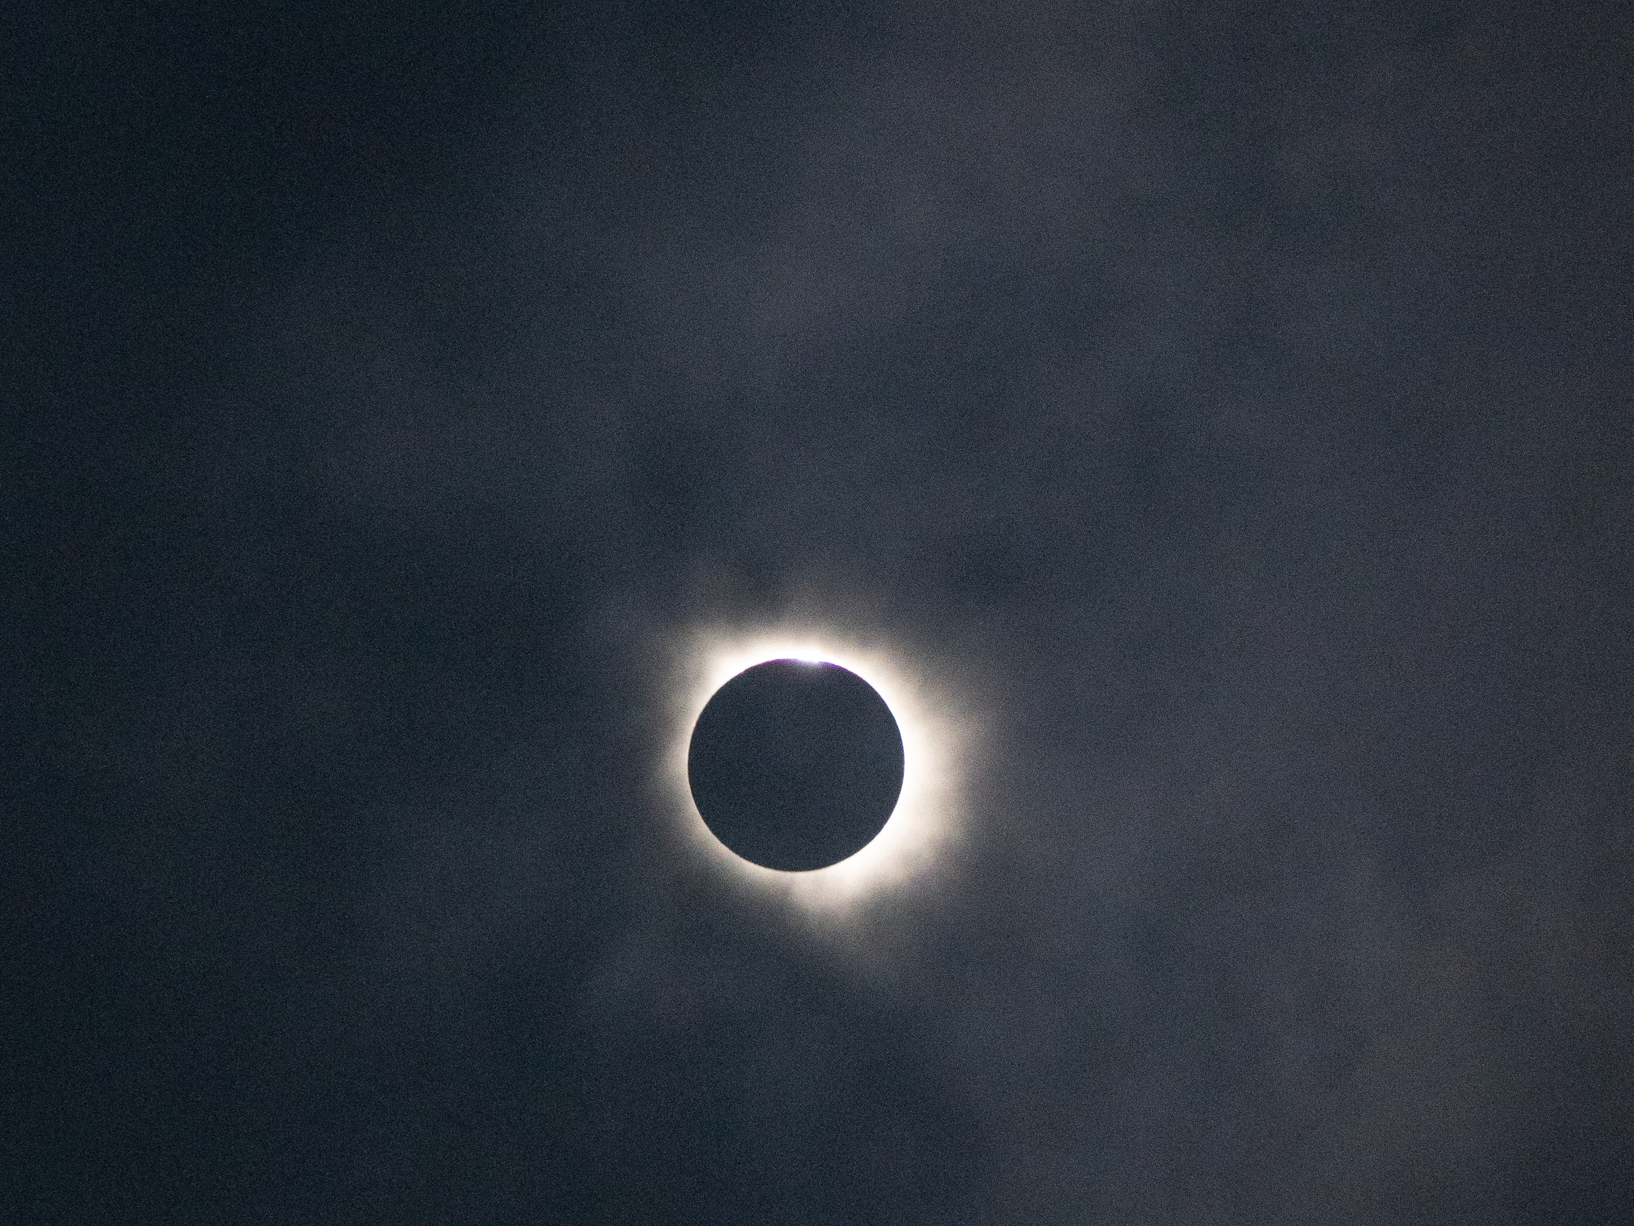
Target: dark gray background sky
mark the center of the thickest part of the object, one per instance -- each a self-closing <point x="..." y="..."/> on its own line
<point x="1228" y="403"/>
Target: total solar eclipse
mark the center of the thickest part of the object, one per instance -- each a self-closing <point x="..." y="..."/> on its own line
<point x="795" y="765"/>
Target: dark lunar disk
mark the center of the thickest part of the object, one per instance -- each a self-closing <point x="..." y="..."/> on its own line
<point x="795" y="765"/>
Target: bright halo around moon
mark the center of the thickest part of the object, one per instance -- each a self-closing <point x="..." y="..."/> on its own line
<point x="926" y="820"/>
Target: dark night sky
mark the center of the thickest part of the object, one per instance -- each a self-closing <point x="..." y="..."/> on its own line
<point x="1227" y="405"/>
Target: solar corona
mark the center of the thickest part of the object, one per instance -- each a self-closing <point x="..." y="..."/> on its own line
<point x="813" y="768"/>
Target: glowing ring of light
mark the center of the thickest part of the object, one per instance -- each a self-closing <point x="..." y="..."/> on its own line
<point x="926" y="819"/>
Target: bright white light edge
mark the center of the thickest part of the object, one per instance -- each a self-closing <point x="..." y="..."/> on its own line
<point x="926" y="819"/>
